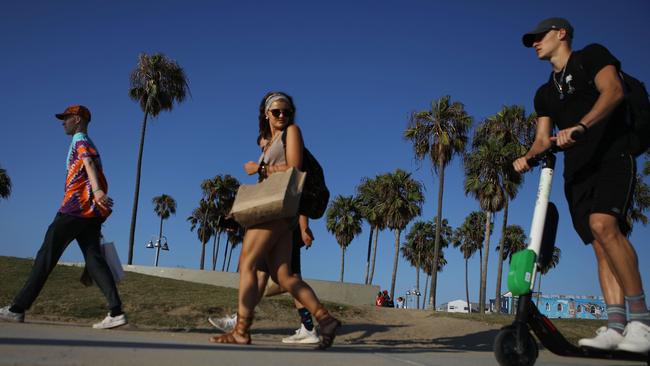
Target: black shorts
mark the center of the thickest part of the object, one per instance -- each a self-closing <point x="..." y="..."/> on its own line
<point x="296" y="244"/>
<point x="608" y="189"/>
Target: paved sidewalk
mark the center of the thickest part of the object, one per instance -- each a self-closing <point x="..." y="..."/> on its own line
<point x="39" y="343"/>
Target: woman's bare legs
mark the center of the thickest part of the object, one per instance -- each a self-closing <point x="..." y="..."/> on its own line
<point x="278" y="260"/>
<point x="257" y="243"/>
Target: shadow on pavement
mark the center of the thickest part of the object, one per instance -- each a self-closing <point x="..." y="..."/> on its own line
<point x="481" y="342"/>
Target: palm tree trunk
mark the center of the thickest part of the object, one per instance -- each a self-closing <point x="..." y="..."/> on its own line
<point x="481" y="305"/>
<point x="202" y="263"/>
<point x="159" y="241"/>
<point x="502" y="241"/>
<point x="469" y="304"/>
<point x="374" y="255"/>
<point x="136" y="194"/>
<point x="480" y="268"/>
<point x="424" y="297"/>
<point x="365" y="280"/>
<point x="214" y="248"/>
<point x="225" y="254"/>
<point x="214" y="264"/>
<point x="417" y="278"/>
<point x="436" y="247"/>
<point x="342" y="263"/>
<point x="229" y="255"/>
<point x="392" y="282"/>
<point x="160" y="230"/>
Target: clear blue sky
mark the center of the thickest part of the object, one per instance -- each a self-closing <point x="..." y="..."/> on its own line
<point x="356" y="70"/>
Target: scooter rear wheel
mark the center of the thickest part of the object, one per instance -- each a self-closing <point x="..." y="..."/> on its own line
<point x="506" y="352"/>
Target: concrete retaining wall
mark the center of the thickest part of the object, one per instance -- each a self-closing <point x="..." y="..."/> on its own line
<point x="344" y="293"/>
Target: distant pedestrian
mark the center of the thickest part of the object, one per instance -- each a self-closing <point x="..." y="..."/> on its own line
<point x="85" y="207"/>
<point x="379" y="300"/>
<point x="388" y="302"/>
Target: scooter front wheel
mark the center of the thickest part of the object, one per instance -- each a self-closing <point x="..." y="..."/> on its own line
<point x="507" y="352"/>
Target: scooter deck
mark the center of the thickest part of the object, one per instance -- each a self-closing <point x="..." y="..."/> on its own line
<point x="554" y="341"/>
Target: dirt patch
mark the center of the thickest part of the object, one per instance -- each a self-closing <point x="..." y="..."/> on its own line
<point x="396" y="328"/>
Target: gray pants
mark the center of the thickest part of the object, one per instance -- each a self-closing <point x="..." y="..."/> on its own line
<point x="63" y="230"/>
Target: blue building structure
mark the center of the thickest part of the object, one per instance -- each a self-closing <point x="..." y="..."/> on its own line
<point x="561" y="306"/>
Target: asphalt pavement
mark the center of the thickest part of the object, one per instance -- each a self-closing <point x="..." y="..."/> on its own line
<point x="42" y="343"/>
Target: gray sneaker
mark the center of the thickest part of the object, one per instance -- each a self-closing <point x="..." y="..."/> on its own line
<point x="605" y="339"/>
<point x="637" y="338"/>
<point x="303" y="336"/>
<point x="111" y="322"/>
<point x="10" y="316"/>
<point x="225" y="324"/>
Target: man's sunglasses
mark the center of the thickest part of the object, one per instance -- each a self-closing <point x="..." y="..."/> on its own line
<point x="286" y="112"/>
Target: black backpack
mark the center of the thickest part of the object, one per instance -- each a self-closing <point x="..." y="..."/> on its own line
<point x="637" y="110"/>
<point x="315" y="195"/>
<point x="638" y="113"/>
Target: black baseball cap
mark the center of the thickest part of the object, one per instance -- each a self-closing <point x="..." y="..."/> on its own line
<point x="545" y="26"/>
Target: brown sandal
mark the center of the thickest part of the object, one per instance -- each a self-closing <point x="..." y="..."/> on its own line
<point x="241" y="330"/>
<point x="328" y="327"/>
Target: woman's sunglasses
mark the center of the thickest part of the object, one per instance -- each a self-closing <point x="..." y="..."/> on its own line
<point x="286" y="112"/>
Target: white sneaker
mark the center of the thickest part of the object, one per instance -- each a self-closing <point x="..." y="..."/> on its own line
<point x="637" y="338"/>
<point x="225" y="324"/>
<point x="111" y="322"/>
<point x="605" y="339"/>
<point x="303" y="336"/>
<point x="10" y="316"/>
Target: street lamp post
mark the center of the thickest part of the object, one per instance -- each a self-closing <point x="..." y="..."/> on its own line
<point x="160" y="243"/>
<point x="414" y="294"/>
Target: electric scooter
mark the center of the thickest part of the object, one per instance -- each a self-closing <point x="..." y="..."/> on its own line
<point x="514" y="345"/>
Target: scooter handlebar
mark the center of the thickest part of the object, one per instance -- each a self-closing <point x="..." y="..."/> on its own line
<point x="535" y="160"/>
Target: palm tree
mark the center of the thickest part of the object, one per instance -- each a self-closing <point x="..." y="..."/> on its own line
<point x="468" y="238"/>
<point x="515" y="131"/>
<point x="439" y="133"/>
<point x="5" y="184"/>
<point x="427" y="269"/>
<point x="200" y="218"/>
<point x="555" y="260"/>
<point x="484" y="181"/>
<point x="235" y="237"/>
<point x="414" y="250"/>
<point x="368" y="202"/>
<point x="446" y="237"/>
<point x="514" y="241"/>
<point x="344" y="221"/>
<point x="209" y="192"/>
<point x="157" y="83"/>
<point x="164" y="206"/>
<point x="219" y="191"/>
<point x="401" y="201"/>
<point x="640" y="203"/>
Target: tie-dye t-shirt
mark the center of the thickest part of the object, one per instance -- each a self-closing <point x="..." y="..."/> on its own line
<point x="78" y="198"/>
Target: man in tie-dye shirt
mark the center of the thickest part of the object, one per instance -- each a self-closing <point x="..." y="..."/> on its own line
<point x="84" y="208"/>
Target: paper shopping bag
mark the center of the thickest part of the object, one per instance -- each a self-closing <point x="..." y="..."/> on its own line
<point x="274" y="198"/>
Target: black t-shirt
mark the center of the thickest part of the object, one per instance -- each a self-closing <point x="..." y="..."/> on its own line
<point x="604" y="140"/>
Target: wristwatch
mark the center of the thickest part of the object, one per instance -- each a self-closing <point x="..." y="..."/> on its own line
<point x="261" y="170"/>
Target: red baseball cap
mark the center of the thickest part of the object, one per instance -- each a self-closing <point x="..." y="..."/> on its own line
<point x="75" y="110"/>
